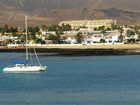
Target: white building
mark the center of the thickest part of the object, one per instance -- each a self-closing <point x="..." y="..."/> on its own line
<point x="71" y="40"/>
<point x="112" y="36"/>
<point x="2" y="38"/>
<point x="96" y="36"/>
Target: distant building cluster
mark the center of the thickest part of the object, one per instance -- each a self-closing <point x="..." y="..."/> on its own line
<point x="105" y="31"/>
<point x="89" y="23"/>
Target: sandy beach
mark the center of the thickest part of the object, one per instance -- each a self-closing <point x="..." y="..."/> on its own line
<point x="79" y="49"/>
<point x="79" y="46"/>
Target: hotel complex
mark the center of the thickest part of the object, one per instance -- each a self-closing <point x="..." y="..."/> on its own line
<point x="89" y="23"/>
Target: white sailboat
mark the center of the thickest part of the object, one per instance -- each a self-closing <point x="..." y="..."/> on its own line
<point x="25" y="66"/>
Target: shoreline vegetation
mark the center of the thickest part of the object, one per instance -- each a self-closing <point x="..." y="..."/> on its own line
<point x="79" y="49"/>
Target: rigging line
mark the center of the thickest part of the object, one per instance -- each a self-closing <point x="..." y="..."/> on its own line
<point x="35" y="52"/>
<point x="30" y="38"/>
<point x="26" y="28"/>
<point x="36" y="56"/>
<point x="31" y="56"/>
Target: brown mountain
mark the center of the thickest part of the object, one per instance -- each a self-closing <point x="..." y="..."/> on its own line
<point x="53" y="11"/>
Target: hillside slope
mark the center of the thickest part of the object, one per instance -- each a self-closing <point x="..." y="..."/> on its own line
<point x="53" y="11"/>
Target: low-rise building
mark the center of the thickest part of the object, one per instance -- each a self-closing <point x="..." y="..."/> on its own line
<point x="97" y="36"/>
<point x="89" y="23"/>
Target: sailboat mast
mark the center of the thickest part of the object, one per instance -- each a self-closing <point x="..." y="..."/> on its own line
<point x="26" y="31"/>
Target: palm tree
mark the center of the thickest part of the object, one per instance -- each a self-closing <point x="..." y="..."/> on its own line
<point x="66" y="27"/>
<point x="121" y="37"/>
<point x="79" y="37"/>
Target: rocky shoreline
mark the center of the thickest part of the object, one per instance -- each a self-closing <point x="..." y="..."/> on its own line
<point x="81" y="50"/>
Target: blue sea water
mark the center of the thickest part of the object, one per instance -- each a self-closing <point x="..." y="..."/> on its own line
<point x="83" y="80"/>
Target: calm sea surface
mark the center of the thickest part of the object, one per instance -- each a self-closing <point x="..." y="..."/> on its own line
<point x="86" y="80"/>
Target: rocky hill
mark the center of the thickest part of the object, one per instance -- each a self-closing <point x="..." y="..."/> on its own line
<point x="53" y="11"/>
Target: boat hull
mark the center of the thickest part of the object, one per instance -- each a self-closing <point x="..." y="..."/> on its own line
<point x="25" y="69"/>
